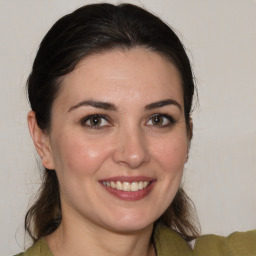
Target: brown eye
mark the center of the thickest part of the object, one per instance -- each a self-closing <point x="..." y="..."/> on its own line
<point x="95" y="121"/>
<point x="157" y="120"/>
<point x="161" y="120"/>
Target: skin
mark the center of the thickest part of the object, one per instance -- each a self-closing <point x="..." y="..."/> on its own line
<point x="126" y="143"/>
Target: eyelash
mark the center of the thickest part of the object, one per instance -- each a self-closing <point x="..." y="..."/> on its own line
<point x="171" y="121"/>
<point x="84" y="120"/>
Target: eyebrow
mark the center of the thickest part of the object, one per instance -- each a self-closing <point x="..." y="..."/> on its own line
<point x="110" y="106"/>
<point x="163" y="103"/>
<point x="95" y="104"/>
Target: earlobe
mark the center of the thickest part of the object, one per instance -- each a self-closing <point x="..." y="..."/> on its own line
<point x="41" y="141"/>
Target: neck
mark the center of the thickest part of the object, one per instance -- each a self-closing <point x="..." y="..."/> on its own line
<point x="77" y="238"/>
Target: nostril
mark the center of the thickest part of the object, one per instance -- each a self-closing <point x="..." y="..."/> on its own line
<point x="131" y="149"/>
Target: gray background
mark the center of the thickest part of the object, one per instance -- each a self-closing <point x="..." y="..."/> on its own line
<point x="220" y="177"/>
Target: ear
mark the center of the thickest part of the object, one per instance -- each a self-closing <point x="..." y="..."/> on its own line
<point x="41" y="141"/>
<point x="190" y="135"/>
<point x="190" y="130"/>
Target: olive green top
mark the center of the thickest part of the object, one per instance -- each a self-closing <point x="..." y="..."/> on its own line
<point x="169" y="243"/>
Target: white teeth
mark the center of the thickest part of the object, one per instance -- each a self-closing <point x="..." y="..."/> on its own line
<point x="141" y="185"/>
<point x="134" y="186"/>
<point x="112" y="184"/>
<point x="127" y="186"/>
<point x="106" y="183"/>
<point x="119" y="185"/>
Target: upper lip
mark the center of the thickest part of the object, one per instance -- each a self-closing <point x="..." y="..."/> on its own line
<point x="128" y="178"/>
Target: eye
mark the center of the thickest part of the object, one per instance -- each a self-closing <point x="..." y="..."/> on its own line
<point x="162" y="120"/>
<point x="95" y="121"/>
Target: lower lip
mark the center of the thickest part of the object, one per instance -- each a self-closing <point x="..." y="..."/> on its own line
<point x="130" y="195"/>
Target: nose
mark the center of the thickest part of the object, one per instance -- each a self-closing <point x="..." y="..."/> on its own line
<point x="131" y="149"/>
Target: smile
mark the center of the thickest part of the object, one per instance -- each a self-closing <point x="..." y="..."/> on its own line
<point x="127" y="186"/>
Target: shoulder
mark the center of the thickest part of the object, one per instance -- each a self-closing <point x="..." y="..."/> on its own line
<point x="236" y="244"/>
<point x="40" y="248"/>
<point x="169" y="242"/>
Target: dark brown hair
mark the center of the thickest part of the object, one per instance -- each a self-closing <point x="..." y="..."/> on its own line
<point x="88" y="30"/>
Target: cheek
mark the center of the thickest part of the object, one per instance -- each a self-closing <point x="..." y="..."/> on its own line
<point x="171" y="153"/>
<point x="78" y="155"/>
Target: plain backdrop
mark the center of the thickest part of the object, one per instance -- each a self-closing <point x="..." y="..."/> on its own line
<point x="220" y="177"/>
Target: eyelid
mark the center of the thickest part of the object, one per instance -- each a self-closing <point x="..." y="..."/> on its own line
<point x="170" y="119"/>
<point x="87" y="118"/>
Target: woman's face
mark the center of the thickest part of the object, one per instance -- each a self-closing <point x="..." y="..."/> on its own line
<point x="118" y="139"/>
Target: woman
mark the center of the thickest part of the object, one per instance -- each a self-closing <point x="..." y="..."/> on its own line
<point x="111" y="93"/>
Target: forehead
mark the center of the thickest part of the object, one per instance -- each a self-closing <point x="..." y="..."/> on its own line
<point x="121" y="76"/>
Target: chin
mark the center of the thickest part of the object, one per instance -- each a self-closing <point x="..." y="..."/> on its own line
<point x="130" y="223"/>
